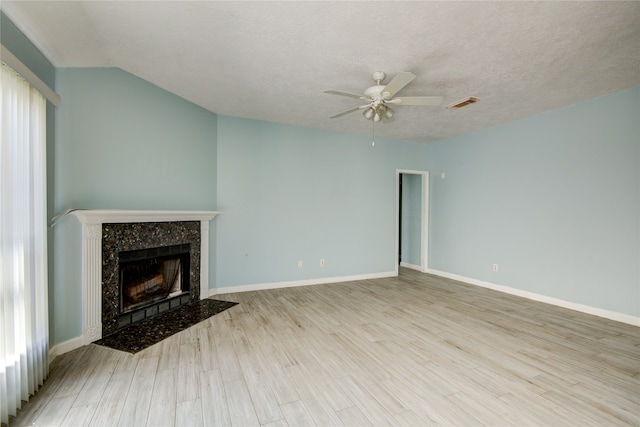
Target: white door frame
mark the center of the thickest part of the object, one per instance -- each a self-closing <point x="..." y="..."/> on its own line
<point x="424" y="219"/>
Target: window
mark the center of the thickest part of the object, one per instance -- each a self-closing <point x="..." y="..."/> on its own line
<point x="24" y="329"/>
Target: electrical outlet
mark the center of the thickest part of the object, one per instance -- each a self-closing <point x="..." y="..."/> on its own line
<point x="300" y="264"/>
<point x="495" y="267"/>
<point x="322" y="262"/>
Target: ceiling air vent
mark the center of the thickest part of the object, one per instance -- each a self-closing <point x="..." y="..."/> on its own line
<point x="464" y="102"/>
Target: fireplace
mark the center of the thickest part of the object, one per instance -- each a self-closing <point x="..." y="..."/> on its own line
<point x="109" y="234"/>
<point x="136" y="253"/>
<point x="152" y="281"/>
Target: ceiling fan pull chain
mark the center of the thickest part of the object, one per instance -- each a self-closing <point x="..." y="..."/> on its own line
<point x="373" y="133"/>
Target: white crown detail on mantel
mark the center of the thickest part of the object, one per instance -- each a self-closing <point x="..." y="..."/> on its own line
<point x="99" y="216"/>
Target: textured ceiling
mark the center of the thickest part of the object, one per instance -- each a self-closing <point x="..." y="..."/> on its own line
<point x="273" y="60"/>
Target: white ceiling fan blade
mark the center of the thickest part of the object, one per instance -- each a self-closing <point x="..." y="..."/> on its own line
<point x="349" y="94"/>
<point x="401" y="79"/>
<point x="350" y="110"/>
<point x="416" y="100"/>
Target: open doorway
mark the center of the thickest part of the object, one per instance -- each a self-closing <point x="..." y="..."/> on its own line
<point x="412" y="219"/>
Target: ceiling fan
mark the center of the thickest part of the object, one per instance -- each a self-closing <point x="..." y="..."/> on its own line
<point x="379" y="98"/>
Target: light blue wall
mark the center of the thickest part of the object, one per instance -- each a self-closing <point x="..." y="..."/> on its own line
<point x="14" y="40"/>
<point x="290" y="194"/>
<point x="554" y="199"/>
<point x="411" y="217"/>
<point x="122" y="143"/>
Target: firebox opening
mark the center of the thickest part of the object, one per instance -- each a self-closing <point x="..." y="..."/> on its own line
<point x="148" y="277"/>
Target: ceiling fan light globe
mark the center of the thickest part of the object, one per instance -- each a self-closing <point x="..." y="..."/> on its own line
<point x="376" y="118"/>
<point x="368" y="113"/>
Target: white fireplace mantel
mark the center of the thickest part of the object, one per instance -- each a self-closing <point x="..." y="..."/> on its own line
<point x="92" y="221"/>
<point x="100" y="216"/>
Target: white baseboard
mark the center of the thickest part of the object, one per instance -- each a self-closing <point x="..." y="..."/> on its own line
<point x="65" y="347"/>
<point x="600" y="312"/>
<point x="294" y="283"/>
<point x="411" y="266"/>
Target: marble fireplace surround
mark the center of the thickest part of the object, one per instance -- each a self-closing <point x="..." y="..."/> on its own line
<point x="92" y="266"/>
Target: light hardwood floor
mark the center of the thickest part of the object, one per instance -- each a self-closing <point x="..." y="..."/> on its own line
<point x="414" y="350"/>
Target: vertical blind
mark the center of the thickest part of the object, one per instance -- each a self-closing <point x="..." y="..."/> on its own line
<point x="24" y="329"/>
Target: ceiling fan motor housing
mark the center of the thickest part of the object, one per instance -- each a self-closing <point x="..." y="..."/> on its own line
<point x="374" y="92"/>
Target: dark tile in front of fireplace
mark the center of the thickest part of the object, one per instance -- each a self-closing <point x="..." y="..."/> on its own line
<point x="137" y="337"/>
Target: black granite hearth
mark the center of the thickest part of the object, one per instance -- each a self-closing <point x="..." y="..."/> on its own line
<point x="137" y="337"/>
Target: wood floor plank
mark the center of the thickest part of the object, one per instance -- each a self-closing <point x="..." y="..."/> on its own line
<point x="409" y="350"/>
<point x="207" y="353"/>
<point x="187" y="373"/>
<point x="137" y="404"/>
<point x="74" y="383"/>
<point x="536" y="410"/>
<point x="169" y="353"/>
<point x="296" y="414"/>
<point x="241" y="410"/>
<point x="490" y="411"/>
<point x="110" y="407"/>
<point x="354" y="417"/>
<point x="97" y="380"/>
<point x="227" y="357"/>
<point x="619" y="407"/>
<point x="427" y="403"/>
<point x="278" y="423"/>
<point x="276" y="376"/>
<point x="55" y="412"/>
<point x="367" y="403"/>
<point x="163" y="397"/>
<point x="79" y="415"/>
<point x="264" y="399"/>
<point x="189" y="413"/>
<point x="314" y="396"/>
<point x="214" y="401"/>
<point x="410" y="418"/>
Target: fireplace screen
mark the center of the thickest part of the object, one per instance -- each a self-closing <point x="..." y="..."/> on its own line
<point x="151" y="275"/>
